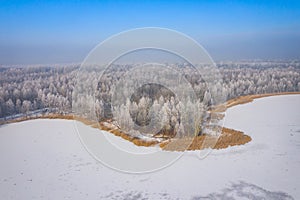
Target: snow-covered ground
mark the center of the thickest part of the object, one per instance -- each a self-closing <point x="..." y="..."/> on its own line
<point x="44" y="159"/>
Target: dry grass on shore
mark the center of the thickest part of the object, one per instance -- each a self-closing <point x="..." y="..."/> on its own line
<point x="245" y="99"/>
<point x="117" y="132"/>
<point x="228" y="137"/>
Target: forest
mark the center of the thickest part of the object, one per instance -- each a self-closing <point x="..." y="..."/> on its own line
<point x="24" y="89"/>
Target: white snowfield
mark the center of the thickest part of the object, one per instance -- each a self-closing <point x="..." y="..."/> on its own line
<point x="44" y="159"/>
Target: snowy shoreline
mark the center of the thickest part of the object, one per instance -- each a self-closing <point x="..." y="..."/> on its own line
<point x="239" y="139"/>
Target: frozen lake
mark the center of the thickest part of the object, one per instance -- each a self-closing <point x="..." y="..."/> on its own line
<point x="44" y="159"/>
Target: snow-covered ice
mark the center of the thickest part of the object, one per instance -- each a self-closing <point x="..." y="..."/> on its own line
<point x="44" y="159"/>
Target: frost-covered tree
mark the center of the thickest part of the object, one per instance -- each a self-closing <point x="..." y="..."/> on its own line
<point x="26" y="106"/>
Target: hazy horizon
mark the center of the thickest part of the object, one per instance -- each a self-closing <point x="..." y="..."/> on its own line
<point x="47" y="32"/>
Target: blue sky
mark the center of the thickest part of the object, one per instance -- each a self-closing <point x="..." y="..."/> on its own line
<point x="53" y="32"/>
